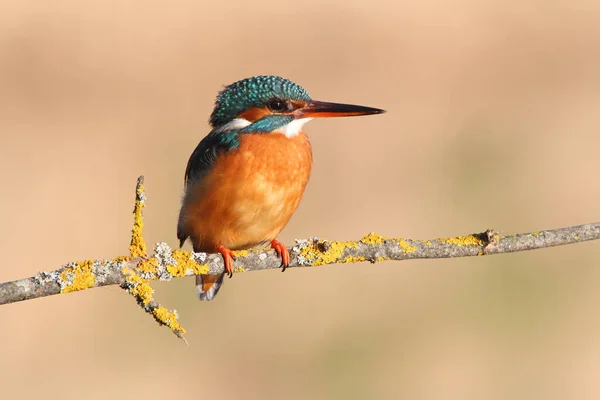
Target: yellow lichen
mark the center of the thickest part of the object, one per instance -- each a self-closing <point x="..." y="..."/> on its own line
<point x="373" y="238"/>
<point x="121" y="258"/>
<point x="139" y="287"/>
<point x="353" y="259"/>
<point x="468" y="240"/>
<point x="406" y="247"/>
<point x="137" y="248"/>
<point x="185" y="262"/>
<point x="240" y="253"/>
<point x="142" y="291"/>
<point x="79" y="277"/>
<point x="149" y="266"/>
<point x="332" y="254"/>
<point x="165" y="317"/>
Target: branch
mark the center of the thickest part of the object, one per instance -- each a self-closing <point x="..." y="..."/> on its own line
<point x="134" y="272"/>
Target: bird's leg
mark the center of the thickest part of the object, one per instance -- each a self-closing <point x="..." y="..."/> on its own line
<point x="227" y="259"/>
<point x="283" y="252"/>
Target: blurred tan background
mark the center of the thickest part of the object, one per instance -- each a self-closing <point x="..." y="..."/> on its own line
<point x="493" y="122"/>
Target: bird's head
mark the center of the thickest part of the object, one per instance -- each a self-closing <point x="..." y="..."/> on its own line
<point x="264" y="104"/>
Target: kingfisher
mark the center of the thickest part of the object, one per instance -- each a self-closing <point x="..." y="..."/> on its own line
<point x="246" y="178"/>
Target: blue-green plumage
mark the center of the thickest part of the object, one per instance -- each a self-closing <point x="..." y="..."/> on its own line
<point x="253" y="92"/>
<point x="267" y="124"/>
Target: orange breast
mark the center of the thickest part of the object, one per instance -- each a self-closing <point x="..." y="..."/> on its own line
<point x="250" y="193"/>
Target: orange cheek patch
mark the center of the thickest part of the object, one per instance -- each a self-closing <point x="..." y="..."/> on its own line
<point x="296" y="104"/>
<point x="254" y="114"/>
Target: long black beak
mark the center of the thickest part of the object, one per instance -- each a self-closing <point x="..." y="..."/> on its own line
<point x="322" y="109"/>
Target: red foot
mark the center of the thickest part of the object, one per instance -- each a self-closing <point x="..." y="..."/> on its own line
<point x="283" y="252"/>
<point x="227" y="259"/>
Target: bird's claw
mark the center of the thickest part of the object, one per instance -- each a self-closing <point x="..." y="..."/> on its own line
<point x="228" y="258"/>
<point x="283" y="252"/>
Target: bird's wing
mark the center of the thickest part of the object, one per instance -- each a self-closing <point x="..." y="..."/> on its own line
<point x="202" y="159"/>
<point x="198" y="166"/>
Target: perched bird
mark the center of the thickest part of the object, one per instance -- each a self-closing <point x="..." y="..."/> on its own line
<point x="245" y="179"/>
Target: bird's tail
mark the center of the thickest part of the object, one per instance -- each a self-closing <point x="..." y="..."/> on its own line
<point x="207" y="286"/>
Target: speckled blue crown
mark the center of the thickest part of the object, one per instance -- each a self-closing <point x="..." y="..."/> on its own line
<point x="253" y="92"/>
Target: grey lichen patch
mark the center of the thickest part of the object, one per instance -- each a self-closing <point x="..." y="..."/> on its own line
<point x="102" y="269"/>
<point x="142" y="196"/>
<point x="164" y="256"/>
<point x="300" y="244"/>
<point x="302" y="260"/>
<point x="44" y="277"/>
<point x="199" y="258"/>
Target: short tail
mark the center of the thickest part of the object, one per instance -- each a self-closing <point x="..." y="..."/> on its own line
<point x="207" y="286"/>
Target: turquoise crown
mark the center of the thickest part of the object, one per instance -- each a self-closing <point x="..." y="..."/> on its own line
<point x="256" y="91"/>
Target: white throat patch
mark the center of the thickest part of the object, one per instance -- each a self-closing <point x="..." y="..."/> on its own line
<point x="293" y="128"/>
<point x="236" y="123"/>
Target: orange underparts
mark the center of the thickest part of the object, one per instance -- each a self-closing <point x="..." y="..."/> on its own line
<point x="283" y="252"/>
<point x="227" y="259"/>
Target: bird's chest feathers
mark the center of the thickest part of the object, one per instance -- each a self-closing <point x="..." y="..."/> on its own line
<point x="270" y="169"/>
<point x="272" y="159"/>
<point x="253" y="190"/>
<point x="250" y="192"/>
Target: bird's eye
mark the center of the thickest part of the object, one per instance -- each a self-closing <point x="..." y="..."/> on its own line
<point x="277" y="105"/>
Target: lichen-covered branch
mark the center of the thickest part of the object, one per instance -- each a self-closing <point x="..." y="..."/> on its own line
<point x="134" y="271"/>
